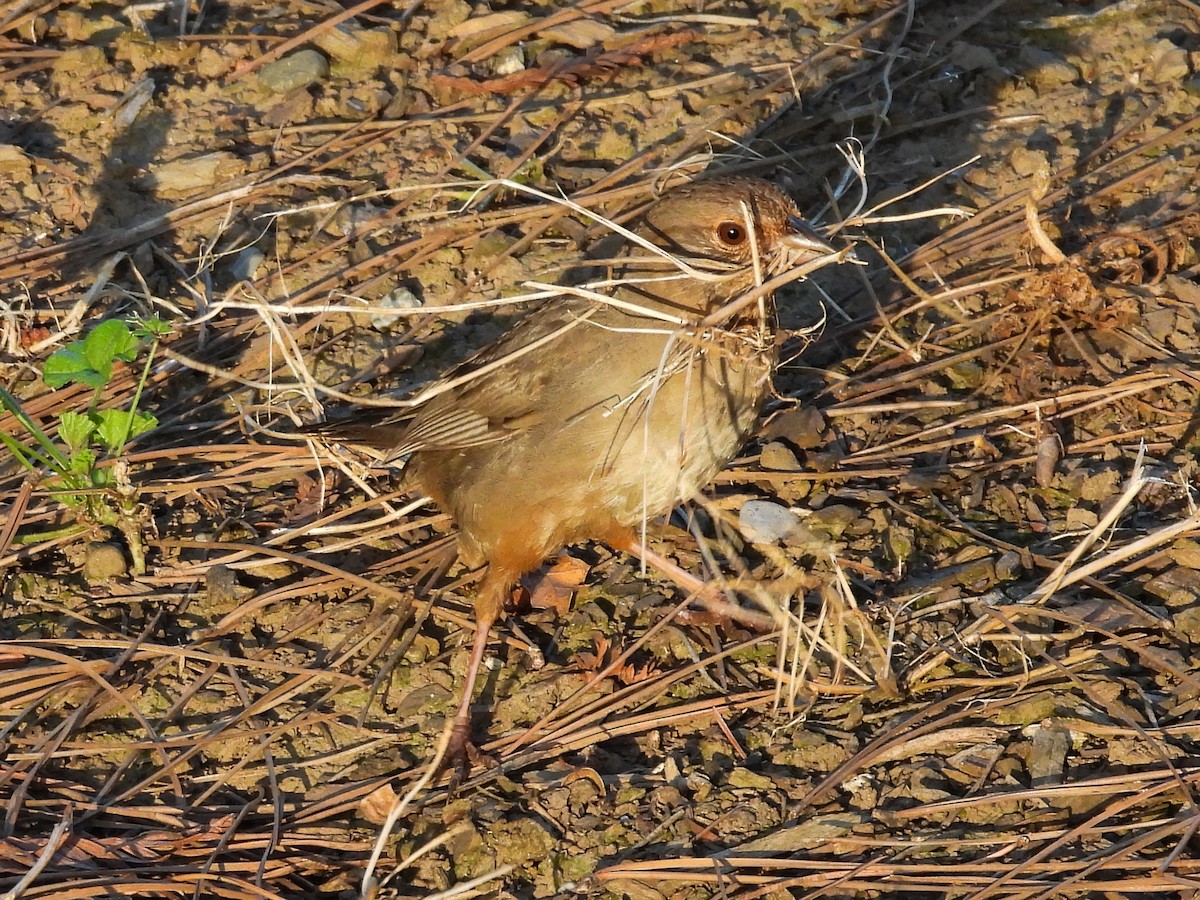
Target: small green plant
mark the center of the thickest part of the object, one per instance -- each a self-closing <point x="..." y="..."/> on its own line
<point x="99" y="496"/>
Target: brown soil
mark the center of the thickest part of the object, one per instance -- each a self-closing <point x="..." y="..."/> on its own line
<point x="982" y="476"/>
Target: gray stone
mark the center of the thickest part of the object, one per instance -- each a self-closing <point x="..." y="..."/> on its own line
<point x="778" y="457"/>
<point x="296" y="70"/>
<point x="764" y="522"/>
<point x="246" y="264"/>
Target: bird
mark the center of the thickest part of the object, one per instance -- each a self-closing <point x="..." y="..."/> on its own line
<point x="608" y="405"/>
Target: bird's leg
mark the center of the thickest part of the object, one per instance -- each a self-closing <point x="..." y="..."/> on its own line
<point x="707" y="595"/>
<point x="488" y="604"/>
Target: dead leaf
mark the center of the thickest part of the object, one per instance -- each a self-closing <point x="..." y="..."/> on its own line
<point x="376" y="805"/>
<point x="1049" y="451"/>
<point x="631" y="674"/>
<point x="586" y="773"/>
<point x="35" y="335"/>
<point x="580" y="34"/>
<point x="477" y="29"/>
<point x="556" y="586"/>
<point x="597" y="658"/>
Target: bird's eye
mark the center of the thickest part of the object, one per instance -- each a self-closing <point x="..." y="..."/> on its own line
<point x="731" y="233"/>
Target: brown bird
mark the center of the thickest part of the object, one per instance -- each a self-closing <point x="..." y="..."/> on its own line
<point x="607" y="407"/>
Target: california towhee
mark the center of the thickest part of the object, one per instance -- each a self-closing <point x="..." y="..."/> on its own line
<point x="594" y="413"/>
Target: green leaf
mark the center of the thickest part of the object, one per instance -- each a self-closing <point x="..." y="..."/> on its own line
<point x="74" y="501"/>
<point x="90" y="361"/>
<point x="108" y="341"/>
<point x="82" y="462"/>
<point x="75" y="429"/>
<point x="116" y="426"/>
<point x="142" y="422"/>
<point x="154" y="327"/>
<point x="68" y="364"/>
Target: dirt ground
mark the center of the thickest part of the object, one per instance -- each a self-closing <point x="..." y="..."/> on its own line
<point x="971" y="504"/>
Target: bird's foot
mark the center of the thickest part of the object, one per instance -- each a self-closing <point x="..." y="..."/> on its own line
<point x="709" y="597"/>
<point x="703" y="617"/>
<point x="458" y="752"/>
<point x="712" y="608"/>
<point x="462" y="755"/>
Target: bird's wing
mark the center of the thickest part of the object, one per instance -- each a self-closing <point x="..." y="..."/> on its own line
<point x="498" y="392"/>
<point x="491" y="396"/>
<point x="362" y="425"/>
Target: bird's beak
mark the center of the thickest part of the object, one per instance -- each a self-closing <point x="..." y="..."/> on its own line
<point x="801" y="236"/>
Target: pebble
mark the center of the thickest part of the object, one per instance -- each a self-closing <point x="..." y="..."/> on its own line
<point x="764" y="522"/>
<point x="833" y="520"/>
<point x="246" y="264"/>
<point x="15" y="165"/>
<point x="972" y="57"/>
<point x="1027" y="161"/>
<point x="186" y="175"/>
<point x="1045" y="70"/>
<point x="1009" y="566"/>
<point x="1168" y="63"/>
<point x="778" y="457"/>
<point x="296" y="70"/>
<point x="358" y="52"/>
<point x="104" y="560"/>
<point x="802" y="427"/>
<point x="224" y="592"/>
<point x="401" y="298"/>
<point x="509" y="61"/>
<point x="418" y="698"/>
